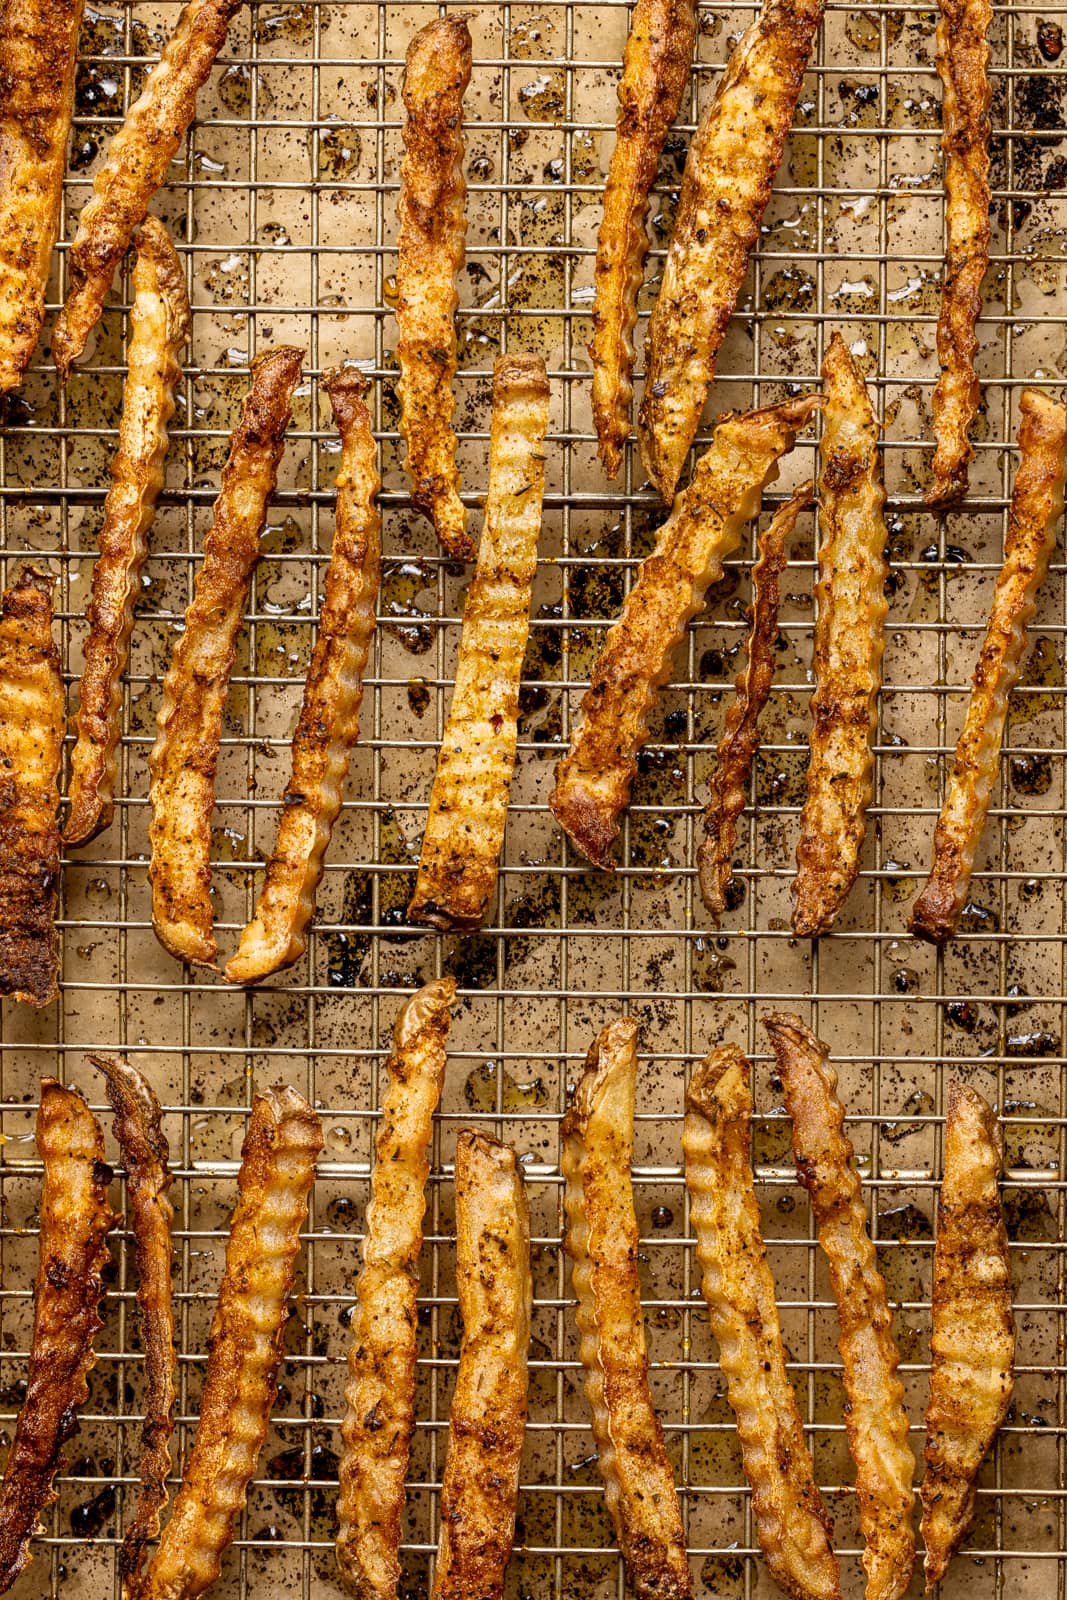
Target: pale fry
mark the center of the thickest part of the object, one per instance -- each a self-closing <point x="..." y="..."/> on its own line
<point x="875" y="1419"/>
<point x="973" y="1337"/>
<point x="655" y="74"/>
<point x="159" y="328"/>
<point x="432" y="225"/>
<point x="731" y="167"/>
<point x="791" y="1521"/>
<point x="38" y="57"/>
<point x="379" y="1418"/>
<point x="480" y="1487"/>
<point x="464" y="834"/>
<point x="185" y="756"/>
<point x="594" y="778"/>
<point x="75" y="1219"/>
<point x="1033" y="522"/>
<point x="963" y="67"/>
<point x="601" y="1239"/>
<point x="728" y="788"/>
<point x="333" y="694"/>
<point x="849" y="641"/>
<point x="136" y="166"/>
<point x="245" y="1344"/>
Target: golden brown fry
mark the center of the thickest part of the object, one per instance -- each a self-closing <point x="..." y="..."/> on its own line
<point x="849" y="640"/>
<point x="464" y="834"/>
<point x="189" y="725"/>
<point x="159" y="328"/>
<point x="480" y="1488"/>
<point x="379" y="1417"/>
<point x="432" y="224"/>
<point x="593" y="780"/>
<point x="1036" y="509"/>
<point x="655" y="73"/>
<point x="973" y="1337"/>
<point x="38" y="55"/>
<point x="245" y="1344"/>
<point x="146" y="1157"/>
<point x="72" y="1251"/>
<point x="31" y="744"/>
<point x="791" y="1521"/>
<point x="728" y="177"/>
<point x="333" y="693"/>
<point x="601" y="1240"/>
<point x="728" y="789"/>
<point x="875" y="1418"/>
<point x="963" y="67"/>
<point x="136" y="166"/>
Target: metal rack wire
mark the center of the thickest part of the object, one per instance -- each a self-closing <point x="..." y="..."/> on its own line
<point x="282" y="203"/>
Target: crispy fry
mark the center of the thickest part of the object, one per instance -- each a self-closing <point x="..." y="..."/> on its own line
<point x="791" y="1521"/>
<point x="875" y="1418"/>
<point x="146" y="1157"/>
<point x="963" y="67"/>
<point x="655" y="73"/>
<point x="480" y="1488"/>
<point x="72" y="1250"/>
<point x="469" y="802"/>
<point x="973" y="1338"/>
<point x="38" y="55"/>
<point x="379" y="1417"/>
<point x="432" y="224"/>
<point x="189" y="725"/>
<point x="728" y="789"/>
<point x="31" y="744"/>
<point x="245" y="1344"/>
<point x="849" y="640"/>
<point x="333" y="694"/>
<point x="159" y="328"/>
<point x="1036" y="509"/>
<point x="136" y="166"/>
<point x="593" y="780"/>
<point x="728" y="177"/>
<point x="601" y="1239"/>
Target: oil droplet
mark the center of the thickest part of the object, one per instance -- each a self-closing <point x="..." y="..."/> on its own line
<point x="390" y="293"/>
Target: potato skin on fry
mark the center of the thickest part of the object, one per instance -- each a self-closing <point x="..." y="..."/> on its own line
<point x="1033" y="523"/>
<point x="38" y="56"/>
<point x="973" y="1337"/>
<point x="655" y="74"/>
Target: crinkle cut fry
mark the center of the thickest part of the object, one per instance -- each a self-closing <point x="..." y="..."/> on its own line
<point x="146" y="1157"/>
<point x="875" y="1419"/>
<point x="460" y="857"/>
<point x="593" y="780"/>
<point x="333" y="694"/>
<point x="431" y="249"/>
<point x="31" y="747"/>
<point x="732" y="162"/>
<point x="601" y="1239"/>
<point x="159" y="328"/>
<point x="849" y="641"/>
<point x="135" y="167"/>
<point x="75" y="1219"/>
<point x="379" y="1419"/>
<point x="1033" y="522"/>
<point x="245" y="1344"/>
<point x="38" y="58"/>
<point x="973" y="1337"/>
<point x="791" y="1521"/>
<point x="655" y="74"/>
<point x="963" y="67"/>
<point x="185" y="756"/>
<point x="487" y="1421"/>
<point x="737" y="749"/>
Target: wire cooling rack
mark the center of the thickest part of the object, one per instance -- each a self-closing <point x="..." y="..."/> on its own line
<point x="282" y="201"/>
